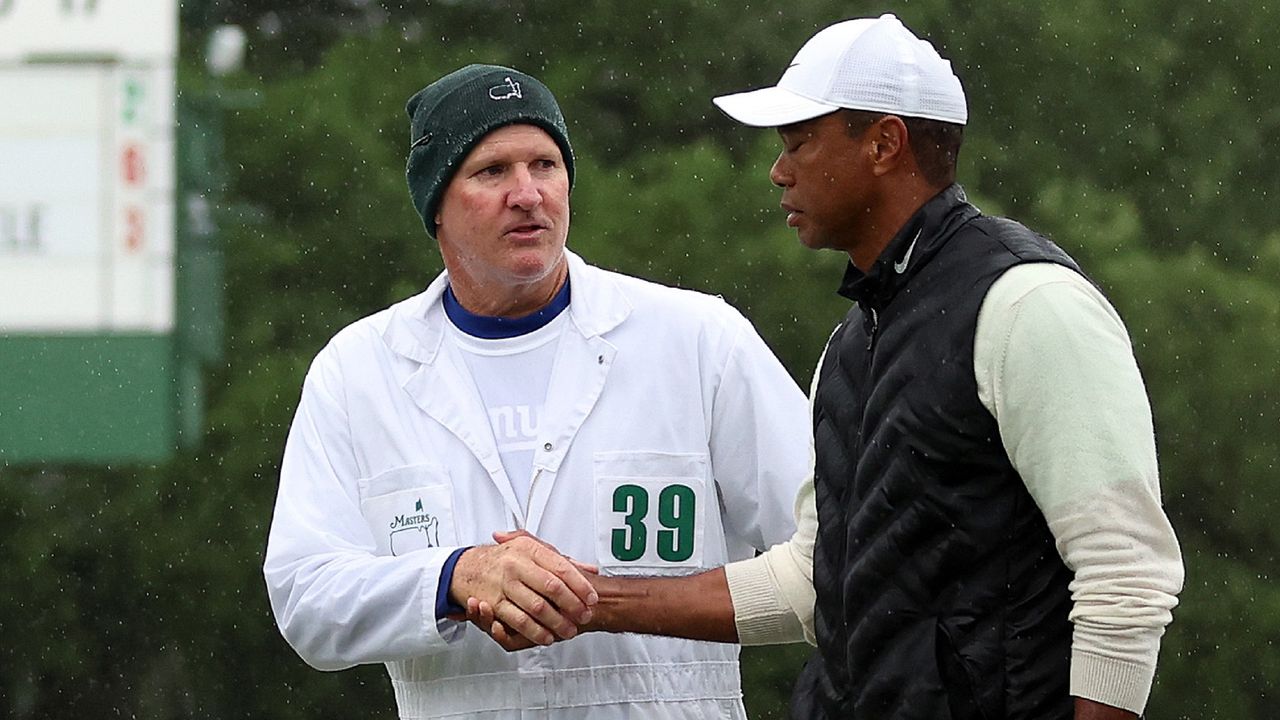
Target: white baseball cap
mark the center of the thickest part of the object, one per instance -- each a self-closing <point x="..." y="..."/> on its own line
<point x="864" y="64"/>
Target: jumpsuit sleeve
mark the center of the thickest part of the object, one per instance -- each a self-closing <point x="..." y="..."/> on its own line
<point x="773" y="593"/>
<point x="335" y="600"/>
<point x="761" y="441"/>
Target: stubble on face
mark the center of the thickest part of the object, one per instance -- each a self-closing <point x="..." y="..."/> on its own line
<point x="503" y="223"/>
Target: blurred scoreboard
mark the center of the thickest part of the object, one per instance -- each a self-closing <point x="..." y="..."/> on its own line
<point x="89" y="367"/>
<point x="87" y="165"/>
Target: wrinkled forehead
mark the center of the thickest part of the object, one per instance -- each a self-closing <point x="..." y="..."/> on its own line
<point x="516" y="138"/>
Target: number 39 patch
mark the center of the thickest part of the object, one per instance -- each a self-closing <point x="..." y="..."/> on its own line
<point x="650" y="511"/>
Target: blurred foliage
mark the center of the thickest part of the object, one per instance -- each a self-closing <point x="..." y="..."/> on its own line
<point x="1136" y="135"/>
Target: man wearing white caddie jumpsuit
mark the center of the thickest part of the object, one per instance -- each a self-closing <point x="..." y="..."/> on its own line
<point x="644" y="429"/>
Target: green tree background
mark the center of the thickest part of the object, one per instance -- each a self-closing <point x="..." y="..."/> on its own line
<point x="1137" y="135"/>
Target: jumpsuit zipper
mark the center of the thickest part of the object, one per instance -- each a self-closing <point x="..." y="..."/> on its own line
<point x="532" y="484"/>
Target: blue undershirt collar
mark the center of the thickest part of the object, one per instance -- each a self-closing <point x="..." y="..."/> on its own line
<point x="492" y="327"/>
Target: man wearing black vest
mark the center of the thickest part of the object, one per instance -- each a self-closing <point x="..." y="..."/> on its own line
<point x="984" y="536"/>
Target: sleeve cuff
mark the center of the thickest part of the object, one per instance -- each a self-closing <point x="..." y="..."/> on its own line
<point x="760" y="613"/>
<point x="444" y="606"/>
<point x="1121" y="684"/>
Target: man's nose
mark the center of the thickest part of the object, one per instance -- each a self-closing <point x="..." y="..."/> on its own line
<point x="780" y="174"/>
<point x="525" y="195"/>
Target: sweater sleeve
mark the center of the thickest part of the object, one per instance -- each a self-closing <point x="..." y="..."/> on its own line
<point x="773" y="593"/>
<point x="1055" y="367"/>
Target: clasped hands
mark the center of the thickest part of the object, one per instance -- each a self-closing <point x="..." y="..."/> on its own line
<point x="522" y="592"/>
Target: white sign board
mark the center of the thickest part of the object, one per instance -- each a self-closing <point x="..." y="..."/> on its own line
<point x="86" y="172"/>
<point x="120" y="29"/>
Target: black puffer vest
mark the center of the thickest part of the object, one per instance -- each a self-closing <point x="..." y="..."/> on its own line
<point x="940" y="595"/>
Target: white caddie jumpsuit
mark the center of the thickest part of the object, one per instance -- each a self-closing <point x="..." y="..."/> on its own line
<point x="671" y="441"/>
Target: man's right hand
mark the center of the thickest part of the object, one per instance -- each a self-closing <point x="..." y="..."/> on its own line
<point x="481" y="615"/>
<point x="528" y="586"/>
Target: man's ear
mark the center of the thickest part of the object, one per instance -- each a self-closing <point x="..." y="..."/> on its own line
<point x="890" y="144"/>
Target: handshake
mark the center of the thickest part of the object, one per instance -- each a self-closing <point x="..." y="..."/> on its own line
<point x="523" y="592"/>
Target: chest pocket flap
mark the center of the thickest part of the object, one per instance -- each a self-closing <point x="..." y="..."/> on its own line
<point x="409" y="508"/>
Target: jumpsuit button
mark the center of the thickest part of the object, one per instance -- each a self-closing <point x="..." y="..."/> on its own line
<point x="547" y="447"/>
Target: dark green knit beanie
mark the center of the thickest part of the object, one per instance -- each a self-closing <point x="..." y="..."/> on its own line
<point x="448" y="117"/>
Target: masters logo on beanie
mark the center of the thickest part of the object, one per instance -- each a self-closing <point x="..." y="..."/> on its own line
<point x="448" y="117"/>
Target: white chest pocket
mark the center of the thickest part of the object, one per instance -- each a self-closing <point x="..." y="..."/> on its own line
<point x="650" y="512"/>
<point x="409" y="508"/>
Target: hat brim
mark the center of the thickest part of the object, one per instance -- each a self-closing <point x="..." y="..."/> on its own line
<point x="771" y="107"/>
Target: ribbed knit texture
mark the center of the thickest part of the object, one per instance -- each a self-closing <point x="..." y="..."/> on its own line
<point x="764" y="618"/>
<point x="1114" y="682"/>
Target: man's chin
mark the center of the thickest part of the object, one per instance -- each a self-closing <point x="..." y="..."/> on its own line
<point x="532" y="270"/>
<point x="817" y="241"/>
<point x="810" y="240"/>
